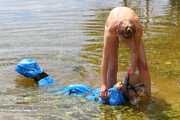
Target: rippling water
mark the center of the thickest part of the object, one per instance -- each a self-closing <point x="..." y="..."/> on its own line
<point x="66" y="38"/>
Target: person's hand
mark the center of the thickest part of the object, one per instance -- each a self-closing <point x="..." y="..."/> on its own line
<point x="119" y="85"/>
<point x="104" y="92"/>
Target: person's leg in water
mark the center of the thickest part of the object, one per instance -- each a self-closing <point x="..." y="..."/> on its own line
<point x="132" y="87"/>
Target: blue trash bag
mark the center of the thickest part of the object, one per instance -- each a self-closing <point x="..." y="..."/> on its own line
<point x="46" y="81"/>
<point x="116" y="97"/>
<point x="75" y="90"/>
<point x="31" y="69"/>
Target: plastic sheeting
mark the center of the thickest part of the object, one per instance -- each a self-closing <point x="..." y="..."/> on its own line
<point x="115" y="97"/>
<point x="30" y="68"/>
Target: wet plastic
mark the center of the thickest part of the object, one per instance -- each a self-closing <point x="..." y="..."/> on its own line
<point x="30" y="68"/>
<point x="116" y="96"/>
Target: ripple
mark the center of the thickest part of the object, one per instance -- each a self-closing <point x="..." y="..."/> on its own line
<point x="66" y="37"/>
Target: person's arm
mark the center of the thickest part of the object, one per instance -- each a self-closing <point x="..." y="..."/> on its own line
<point x="109" y="65"/>
<point x="139" y="62"/>
<point x="138" y="57"/>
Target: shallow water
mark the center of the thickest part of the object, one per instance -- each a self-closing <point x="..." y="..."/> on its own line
<point x="66" y="38"/>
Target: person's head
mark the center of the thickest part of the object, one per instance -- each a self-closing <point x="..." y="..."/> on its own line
<point x="126" y="30"/>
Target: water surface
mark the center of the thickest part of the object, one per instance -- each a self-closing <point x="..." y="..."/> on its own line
<point x="66" y="37"/>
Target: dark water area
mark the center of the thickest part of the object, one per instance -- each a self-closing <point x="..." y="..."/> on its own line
<point x="66" y="38"/>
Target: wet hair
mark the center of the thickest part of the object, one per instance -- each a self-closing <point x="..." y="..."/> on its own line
<point x="127" y="31"/>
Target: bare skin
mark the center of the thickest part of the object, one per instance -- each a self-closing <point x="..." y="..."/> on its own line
<point x="123" y="25"/>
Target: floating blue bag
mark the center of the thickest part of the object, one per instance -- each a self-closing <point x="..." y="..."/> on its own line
<point x="75" y="89"/>
<point x="116" y="97"/>
<point x="46" y="81"/>
<point x="31" y="69"/>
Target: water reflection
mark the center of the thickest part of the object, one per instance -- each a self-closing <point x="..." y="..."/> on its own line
<point x="25" y="82"/>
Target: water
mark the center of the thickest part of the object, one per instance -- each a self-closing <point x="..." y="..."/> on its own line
<point x="66" y="38"/>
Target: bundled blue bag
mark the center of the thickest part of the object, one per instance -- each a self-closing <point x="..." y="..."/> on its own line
<point x="31" y="69"/>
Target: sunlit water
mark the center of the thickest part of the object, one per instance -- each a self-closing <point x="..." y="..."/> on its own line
<point x="66" y="37"/>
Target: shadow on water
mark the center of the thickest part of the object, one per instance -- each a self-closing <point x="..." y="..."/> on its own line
<point x="24" y="82"/>
<point x="156" y="110"/>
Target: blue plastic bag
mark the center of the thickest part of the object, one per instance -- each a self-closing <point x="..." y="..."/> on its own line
<point x="116" y="96"/>
<point x="31" y="69"/>
<point x="46" y="81"/>
<point x="75" y="89"/>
